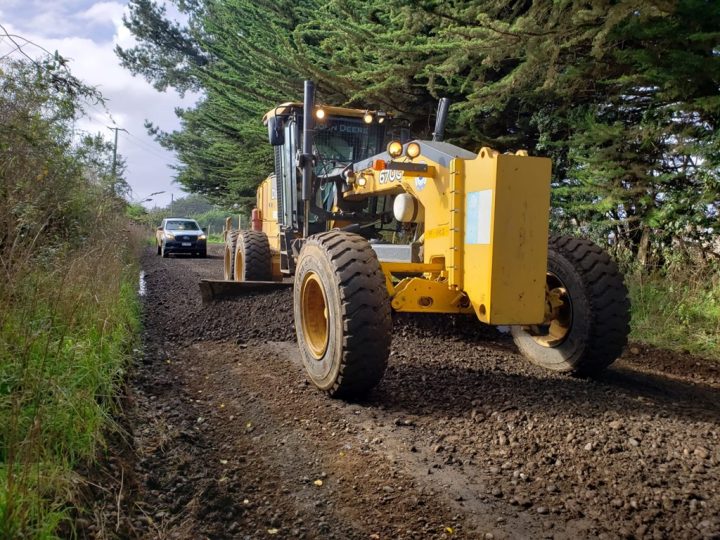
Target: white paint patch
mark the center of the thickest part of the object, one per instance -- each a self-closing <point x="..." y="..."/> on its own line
<point x="478" y="217"/>
<point x="142" y="286"/>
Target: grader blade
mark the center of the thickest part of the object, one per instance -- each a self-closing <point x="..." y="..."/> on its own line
<point x="212" y="290"/>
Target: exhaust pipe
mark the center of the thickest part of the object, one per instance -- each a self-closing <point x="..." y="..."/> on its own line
<point x="441" y="119"/>
<point x="307" y="158"/>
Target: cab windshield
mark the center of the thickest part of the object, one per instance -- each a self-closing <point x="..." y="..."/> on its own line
<point x="182" y="225"/>
<point x="340" y="141"/>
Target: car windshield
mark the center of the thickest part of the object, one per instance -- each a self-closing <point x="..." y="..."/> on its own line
<point x="181" y="225"/>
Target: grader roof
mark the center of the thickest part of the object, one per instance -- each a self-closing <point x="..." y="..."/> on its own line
<point x="290" y="106"/>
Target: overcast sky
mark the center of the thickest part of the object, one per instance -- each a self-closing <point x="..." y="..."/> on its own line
<point x="86" y="32"/>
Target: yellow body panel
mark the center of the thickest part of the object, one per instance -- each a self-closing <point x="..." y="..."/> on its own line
<point x="268" y="205"/>
<point x="486" y="220"/>
<point x="508" y="248"/>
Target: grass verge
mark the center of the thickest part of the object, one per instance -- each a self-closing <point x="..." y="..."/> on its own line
<point x="67" y="333"/>
<point x="678" y="310"/>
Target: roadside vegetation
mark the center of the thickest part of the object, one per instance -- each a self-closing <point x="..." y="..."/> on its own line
<point x="678" y="308"/>
<point x="68" y="296"/>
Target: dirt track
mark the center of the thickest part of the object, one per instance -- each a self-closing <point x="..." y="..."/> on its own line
<point x="462" y="439"/>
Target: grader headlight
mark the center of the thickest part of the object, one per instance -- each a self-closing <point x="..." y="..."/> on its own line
<point x="395" y="149"/>
<point x="413" y="150"/>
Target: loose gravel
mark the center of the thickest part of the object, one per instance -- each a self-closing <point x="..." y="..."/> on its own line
<point x="462" y="439"/>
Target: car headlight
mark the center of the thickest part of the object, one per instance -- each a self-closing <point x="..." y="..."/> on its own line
<point x="202" y="237"/>
<point x="169" y="236"/>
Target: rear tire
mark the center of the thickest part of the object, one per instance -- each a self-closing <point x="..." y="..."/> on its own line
<point x="159" y="249"/>
<point x="342" y="314"/>
<point x="229" y="256"/>
<point x="597" y="323"/>
<point x="253" y="261"/>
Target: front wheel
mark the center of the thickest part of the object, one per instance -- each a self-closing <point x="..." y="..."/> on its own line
<point x="164" y="252"/>
<point x="342" y="314"/>
<point x="587" y="315"/>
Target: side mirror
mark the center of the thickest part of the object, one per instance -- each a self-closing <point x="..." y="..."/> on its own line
<point x="159" y="228"/>
<point x="275" y="131"/>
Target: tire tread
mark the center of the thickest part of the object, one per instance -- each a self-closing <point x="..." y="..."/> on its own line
<point x="364" y="308"/>
<point x="609" y="304"/>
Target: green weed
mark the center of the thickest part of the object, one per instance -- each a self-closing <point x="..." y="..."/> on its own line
<point x="678" y="309"/>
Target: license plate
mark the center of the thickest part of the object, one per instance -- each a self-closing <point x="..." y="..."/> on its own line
<point x="187" y="244"/>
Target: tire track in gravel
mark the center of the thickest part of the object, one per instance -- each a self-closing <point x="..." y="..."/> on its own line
<point x="462" y="439"/>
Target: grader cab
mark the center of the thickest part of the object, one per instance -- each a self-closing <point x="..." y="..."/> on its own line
<point x="363" y="226"/>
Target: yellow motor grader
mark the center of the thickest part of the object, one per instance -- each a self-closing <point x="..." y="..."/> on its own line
<point x="365" y="220"/>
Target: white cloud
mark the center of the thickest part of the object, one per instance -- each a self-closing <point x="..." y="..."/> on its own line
<point x="104" y="12"/>
<point x="130" y="100"/>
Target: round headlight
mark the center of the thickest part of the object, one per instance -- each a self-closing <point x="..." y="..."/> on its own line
<point x="412" y="150"/>
<point x="320" y="114"/>
<point x="368" y="118"/>
<point x="395" y="149"/>
<point x="361" y="181"/>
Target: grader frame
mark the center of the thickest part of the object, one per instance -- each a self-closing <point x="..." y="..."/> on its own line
<point x="479" y="246"/>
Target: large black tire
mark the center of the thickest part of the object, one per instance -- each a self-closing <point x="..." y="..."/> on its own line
<point x="253" y="260"/>
<point x="342" y="314"/>
<point x="229" y="256"/>
<point x="159" y="249"/>
<point x="164" y="252"/>
<point x="597" y="322"/>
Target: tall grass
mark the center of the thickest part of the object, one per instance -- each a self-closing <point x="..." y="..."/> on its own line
<point x="678" y="308"/>
<point x="67" y="332"/>
<point x="68" y="306"/>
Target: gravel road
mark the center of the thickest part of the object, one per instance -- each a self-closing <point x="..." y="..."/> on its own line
<point x="462" y="439"/>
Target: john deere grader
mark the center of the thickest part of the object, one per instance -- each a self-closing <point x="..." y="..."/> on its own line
<point x="367" y="221"/>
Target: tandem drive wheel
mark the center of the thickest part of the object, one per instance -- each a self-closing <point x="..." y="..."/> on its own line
<point x="229" y="255"/>
<point x="587" y="312"/>
<point x="253" y="260"/>
<point x="342" y="314"/>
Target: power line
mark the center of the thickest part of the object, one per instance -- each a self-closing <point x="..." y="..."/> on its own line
<point x="19" y="47"/>
<point x="144" y="146"/>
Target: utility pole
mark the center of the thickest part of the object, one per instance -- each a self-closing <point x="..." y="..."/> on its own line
<point x="114" y="165"/>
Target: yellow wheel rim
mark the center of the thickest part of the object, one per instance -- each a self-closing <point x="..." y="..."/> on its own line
<point x="558" y="314"/>
<point x="239" y="266"/>
<point x="227" y="258"/>
<point x="314" y="312"/>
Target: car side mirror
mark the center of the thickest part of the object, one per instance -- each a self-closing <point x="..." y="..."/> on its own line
<point x="276" y="135"/>
<point x="159" y="228"/>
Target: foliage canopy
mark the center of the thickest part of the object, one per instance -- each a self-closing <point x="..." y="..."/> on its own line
<point x="623" y="96"/>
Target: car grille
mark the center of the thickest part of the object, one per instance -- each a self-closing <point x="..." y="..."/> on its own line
<point x="185" y="238"/>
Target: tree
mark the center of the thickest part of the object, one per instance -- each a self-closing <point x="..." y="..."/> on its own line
<point x="623" y="96"/>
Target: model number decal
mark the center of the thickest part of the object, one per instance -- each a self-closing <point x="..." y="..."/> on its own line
<point x="388" y="176"/>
